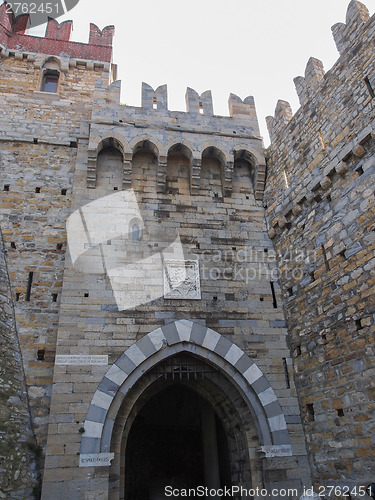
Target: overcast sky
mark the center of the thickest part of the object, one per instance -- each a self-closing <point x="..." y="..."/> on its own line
<point x="248" y="47"/>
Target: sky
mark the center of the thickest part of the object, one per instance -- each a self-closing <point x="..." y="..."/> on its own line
<point x="247" y="47"/>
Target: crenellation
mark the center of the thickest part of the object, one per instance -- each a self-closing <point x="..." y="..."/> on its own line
<point x="154" y="255"/>
<point x="320" y="217"/>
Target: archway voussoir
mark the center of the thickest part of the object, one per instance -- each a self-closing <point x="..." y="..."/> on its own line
<point x="90" y="445"/>
<point x="260" y="385"/>
<point x="281" y="437"/>
<point x="108" y="387"/>
<point x="198" y="333"/>
<point x="252" y="374"/>
<point x="244" y="363"/>
<point x="93" y="429"/>
<point x="116" y="375"/>
<point x="157" y="338"/>
<point x="234" y="354"/>
<point x="184" y="331"/>
<point x="273" y="409"/>
<point x="135" y="354"/>
<point x="96" y="414"/>
<point x="211" y="339"/>
<point x="102" y="400"/>
<point x="146" y="346"/>
<point x="223" y="346"/>
<point x="171" y="334"/>
<point x="126" y="364"/>
<point x="277" y="423"/>
<point x="267" y="396"/>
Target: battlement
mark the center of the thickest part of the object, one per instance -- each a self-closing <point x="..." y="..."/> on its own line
<point x="242" y="119"/>
<point x="312" y="87"/>
<point x="56" y="40"/>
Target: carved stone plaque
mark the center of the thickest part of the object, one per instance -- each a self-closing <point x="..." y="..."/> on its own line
<point x="181" y="279"/>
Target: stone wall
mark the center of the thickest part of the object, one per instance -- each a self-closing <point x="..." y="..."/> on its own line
<point x="199" y="177"/>
<point x="19" y="475"/>
<point x="320" y="212"/>
<point x="39" y="135"/>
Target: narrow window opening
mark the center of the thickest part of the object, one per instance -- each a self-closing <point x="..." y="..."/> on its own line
<point x="310" y="411"/>
<point x="40" y="354"/>
<point x="13" y="245"/>
<point x="358" y="324"/>
<point x="86" y="294"/>
<point x="287" y="381"/>
<point x="6" y="187"/>
<point x="312" y="275"/>
<point x="37" y="189"/>
<point x="64" y="191"/>
<point x="73" y="144"/>
<point x="234" y="248"/>
<point x="59" y="246"/>
<point x="154" y="103"/>
<point x="285" y="179"/>
<point x="29" y="285"/>
<point x="135" y="233"/>
<point x="50" y="81"/>
<point x="371" y="91"/>
<point x="298" y="351"/>
<point x="35" y="140"/>
<point x="325" y="258"/>
<point x="197" y="245"/>
<point x="340" y="412"/>
<point x="265" y="250"/>
<point x="17" y="297"/>
<point x="54" y="297"/>
<point x="290" y="291"/>
<point x="214" y="298"/>
<point x="273" y="295"/>
<point x="201" y="110"/>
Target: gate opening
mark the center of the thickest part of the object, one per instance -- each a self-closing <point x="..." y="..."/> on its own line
<point x="175" y="440"/>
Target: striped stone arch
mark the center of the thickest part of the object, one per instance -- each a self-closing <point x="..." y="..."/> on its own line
<point x="167" y="341"/>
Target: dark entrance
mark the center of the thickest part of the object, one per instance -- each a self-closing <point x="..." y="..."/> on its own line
<point x="176" y="440"/>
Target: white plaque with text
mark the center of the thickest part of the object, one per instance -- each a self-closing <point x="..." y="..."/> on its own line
<point x="281" y="450"/>
<point x="96" y="460"/>
<point x="81" y="359"/>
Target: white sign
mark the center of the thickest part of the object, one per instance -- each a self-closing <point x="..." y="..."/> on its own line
<point x="81" y="359"/>
<point x="96" y="460"/>
<point x="281" y="450"/>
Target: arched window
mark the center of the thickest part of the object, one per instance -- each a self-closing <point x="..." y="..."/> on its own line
<point x="135" y="230"/>
<point x="51" y="74"/>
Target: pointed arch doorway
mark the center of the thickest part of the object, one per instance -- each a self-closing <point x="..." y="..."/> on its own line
<point x="183" y="432"/>
<point x="229" y="382"/>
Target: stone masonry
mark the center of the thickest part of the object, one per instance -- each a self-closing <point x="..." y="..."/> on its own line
<point x="139" y="238"/>
<point x="320" y="212"/>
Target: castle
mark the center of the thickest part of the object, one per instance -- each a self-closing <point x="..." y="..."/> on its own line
<point x="178" y="306"/>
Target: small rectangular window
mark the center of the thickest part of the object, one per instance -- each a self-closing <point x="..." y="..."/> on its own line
<point x="50" y="81"/>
